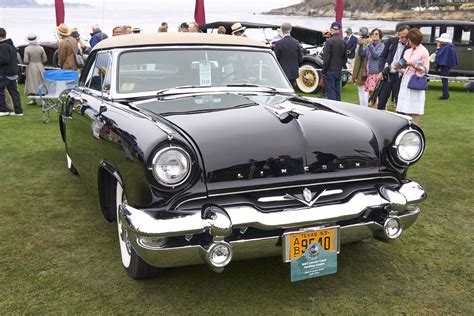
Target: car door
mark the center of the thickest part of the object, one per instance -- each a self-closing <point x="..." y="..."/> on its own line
<point x="88" y="101"/>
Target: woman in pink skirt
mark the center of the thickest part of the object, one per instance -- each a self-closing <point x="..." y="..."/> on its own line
<point x="373" y="52"/>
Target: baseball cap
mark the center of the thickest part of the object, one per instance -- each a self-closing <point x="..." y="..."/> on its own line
<point x="336" y="26"/>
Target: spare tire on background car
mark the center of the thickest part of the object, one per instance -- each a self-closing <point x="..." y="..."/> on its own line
<point x="56" y="58"/>
<point x="308" y="81"/>
<point x="311" y="79"/>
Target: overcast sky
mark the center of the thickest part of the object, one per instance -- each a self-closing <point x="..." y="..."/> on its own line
<point x="272" y="3"/>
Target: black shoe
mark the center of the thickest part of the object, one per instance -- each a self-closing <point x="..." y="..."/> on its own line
<point x="443" y="98"/>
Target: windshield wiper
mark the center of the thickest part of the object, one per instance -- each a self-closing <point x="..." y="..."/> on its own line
<point x="252" y="86"/>
<point x="164" y="91"/>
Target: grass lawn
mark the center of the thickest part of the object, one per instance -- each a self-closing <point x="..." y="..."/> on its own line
<point x="58" y="254"/>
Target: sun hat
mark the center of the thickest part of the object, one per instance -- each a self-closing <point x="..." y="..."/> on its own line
<point x="445" y="38"/>
<point x="336" y="26"/>
<point x="32" y="37"/>
<point x="63" y="30"/>
<point x="237" y="27"/>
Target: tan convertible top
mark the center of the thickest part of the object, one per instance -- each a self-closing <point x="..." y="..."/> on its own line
<point x="151" y="39"/>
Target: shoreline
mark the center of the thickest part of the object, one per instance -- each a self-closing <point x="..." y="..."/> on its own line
<point x="400" y="15"/>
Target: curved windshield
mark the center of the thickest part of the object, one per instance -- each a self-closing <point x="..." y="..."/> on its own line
<point x="143" y="71"/>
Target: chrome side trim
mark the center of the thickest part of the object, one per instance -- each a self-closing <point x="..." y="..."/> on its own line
<point x="191" y="199"/>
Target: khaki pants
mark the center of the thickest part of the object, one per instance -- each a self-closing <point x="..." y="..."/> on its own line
<point x="8" y="100"/>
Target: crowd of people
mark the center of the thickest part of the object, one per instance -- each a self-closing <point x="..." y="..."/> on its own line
<point x="396" y="69"/>
<point x="381" y="70"/>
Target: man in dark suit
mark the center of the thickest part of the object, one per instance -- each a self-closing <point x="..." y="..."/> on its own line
<point x="351" y="43"/>
<point x="289" y="54"/>
<point x="394" y="49"/>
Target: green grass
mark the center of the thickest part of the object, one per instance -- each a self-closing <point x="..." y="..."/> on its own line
<point x="58" y="254"/>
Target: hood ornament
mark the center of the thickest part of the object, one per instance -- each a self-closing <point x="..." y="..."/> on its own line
<point x="287" y="113"/>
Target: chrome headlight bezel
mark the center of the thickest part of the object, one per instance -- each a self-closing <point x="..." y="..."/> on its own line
<point x="186" y="174"/>
<point x="398" y="143"/>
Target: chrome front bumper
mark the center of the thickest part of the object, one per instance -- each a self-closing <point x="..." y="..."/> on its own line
<point x="148" y="235"/>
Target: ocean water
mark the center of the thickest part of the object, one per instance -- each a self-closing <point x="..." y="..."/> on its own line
<point x="147" y="14"/>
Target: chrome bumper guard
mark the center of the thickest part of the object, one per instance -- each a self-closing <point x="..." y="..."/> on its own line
<point x="148" y="235"/>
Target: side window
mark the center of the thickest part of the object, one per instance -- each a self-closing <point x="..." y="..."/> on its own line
<point x="100" y="76"/>
<point x="464" y="34"/>
<point x="427" y="34"/>
<point x="86" y="73"/>
<point x="471" y="38"/>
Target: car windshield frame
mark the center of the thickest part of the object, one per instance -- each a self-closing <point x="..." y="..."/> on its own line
<point x="119" y="52"/>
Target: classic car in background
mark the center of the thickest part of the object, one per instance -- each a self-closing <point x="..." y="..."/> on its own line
<point x="462" y="33"/>
<point x="199" y="149"/>
<point x="51" y="52"/>
<point x="311" y="40"/>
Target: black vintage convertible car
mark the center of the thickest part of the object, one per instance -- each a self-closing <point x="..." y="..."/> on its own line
<point x="199" y="149"/>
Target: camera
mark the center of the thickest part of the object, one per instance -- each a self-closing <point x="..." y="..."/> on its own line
<point x="402" y="63"/>
<point x="364" y="32"/>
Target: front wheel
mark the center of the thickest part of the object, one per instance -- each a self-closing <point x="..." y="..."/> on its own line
<point x="309" y="77"/>
<point x="134" y="265"/>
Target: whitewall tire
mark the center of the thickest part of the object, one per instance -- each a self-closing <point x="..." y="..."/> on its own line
<point x="132" y="263"/>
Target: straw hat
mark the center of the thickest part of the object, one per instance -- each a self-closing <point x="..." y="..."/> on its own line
<point x="445" y="38"/>
<point x="63" y="30"/>
<point x="32" y="38"/>
<point x="237" y="27"/>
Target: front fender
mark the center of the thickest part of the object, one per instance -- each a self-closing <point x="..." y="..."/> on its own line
<point x="313" y="59"/>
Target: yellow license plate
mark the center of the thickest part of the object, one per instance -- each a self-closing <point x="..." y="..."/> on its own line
<point x="298" y="242"/>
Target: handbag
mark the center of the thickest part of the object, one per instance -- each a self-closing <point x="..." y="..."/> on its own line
<point x="418" y="82"/>
<point x="79" y="60"/>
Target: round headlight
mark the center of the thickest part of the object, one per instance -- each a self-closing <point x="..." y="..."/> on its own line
<point x="409" y="146"/>
<point x="171" y="166"/>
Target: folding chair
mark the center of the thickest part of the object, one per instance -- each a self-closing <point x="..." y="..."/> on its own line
<point x="55" y="83"/>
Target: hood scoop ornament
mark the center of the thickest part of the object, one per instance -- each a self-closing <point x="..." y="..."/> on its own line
<point x="287" y="113"/>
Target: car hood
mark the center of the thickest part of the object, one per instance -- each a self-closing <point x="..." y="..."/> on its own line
<point x="243" y="141"/>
